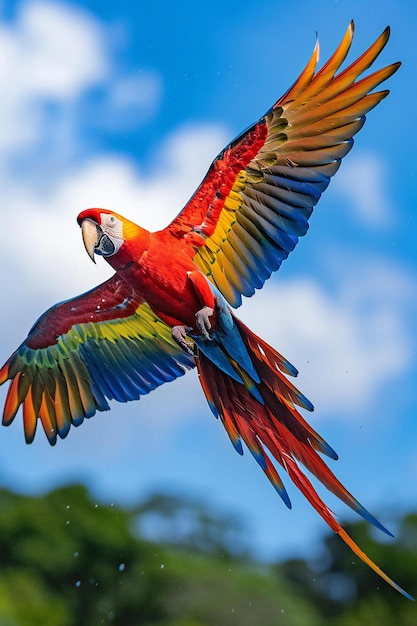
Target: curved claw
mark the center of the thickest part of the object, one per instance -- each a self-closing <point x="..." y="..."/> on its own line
<point x="179" y="334"/>
<point x="202" y="321"/>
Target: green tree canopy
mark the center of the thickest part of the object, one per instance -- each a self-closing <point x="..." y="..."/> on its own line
<point x="70" y="561"/>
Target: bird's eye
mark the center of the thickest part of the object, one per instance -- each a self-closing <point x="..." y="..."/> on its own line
<point x="111" y="221"/>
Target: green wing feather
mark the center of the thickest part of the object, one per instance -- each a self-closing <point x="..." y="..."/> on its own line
<point x="80" y="354"/>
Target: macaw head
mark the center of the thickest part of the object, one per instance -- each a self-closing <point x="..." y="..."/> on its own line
<point x="106" y="233"/>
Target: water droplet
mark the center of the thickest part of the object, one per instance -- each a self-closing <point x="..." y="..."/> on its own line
<point x="78" y="583"/>
<point x="162" y="566"/>
<point x="122" y="566"/>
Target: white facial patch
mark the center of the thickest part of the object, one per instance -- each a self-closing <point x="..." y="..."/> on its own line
<point x="113" y="228"/>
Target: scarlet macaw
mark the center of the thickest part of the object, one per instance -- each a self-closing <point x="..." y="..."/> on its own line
<point x="167" y="308"/>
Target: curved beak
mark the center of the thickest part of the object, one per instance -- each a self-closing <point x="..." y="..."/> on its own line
<point x="90" y="237"/>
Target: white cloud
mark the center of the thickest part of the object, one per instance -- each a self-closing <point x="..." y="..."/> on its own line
<point x="347" y="345"/>
<point x="154" y="199"/>
<point x="42" y="225"/>
<point x="362" y="180"/>
<point x="53" y="53"/>
<point x="62" y="49"/>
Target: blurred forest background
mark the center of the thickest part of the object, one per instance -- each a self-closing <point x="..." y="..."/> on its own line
<point x="70" y="561"/>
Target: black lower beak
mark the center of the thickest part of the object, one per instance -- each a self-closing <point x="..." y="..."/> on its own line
<point x="104" y="246"/>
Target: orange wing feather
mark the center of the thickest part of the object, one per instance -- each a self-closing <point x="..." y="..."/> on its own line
<point x="257" y="197"/>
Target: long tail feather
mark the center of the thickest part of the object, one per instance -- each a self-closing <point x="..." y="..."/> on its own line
<point x="361" y="554"/>
<point x="275" y="427"/>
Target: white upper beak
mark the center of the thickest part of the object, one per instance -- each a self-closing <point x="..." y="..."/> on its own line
<point x="89" y="233"/>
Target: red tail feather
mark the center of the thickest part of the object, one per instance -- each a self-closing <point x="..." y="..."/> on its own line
<point x="277" y="427"/>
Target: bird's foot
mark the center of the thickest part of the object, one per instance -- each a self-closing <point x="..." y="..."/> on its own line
<point x="179" y="334"/>
<point x="202" y="321"/>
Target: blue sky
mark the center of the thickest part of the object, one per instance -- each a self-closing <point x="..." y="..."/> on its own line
<point x="123" y="105"/>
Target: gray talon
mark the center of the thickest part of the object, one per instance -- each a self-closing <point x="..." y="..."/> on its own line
<point x="202" y="321"/>
<point x="179" y="334"/>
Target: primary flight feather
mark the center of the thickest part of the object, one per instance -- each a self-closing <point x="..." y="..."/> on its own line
<point x="167" y="308"/>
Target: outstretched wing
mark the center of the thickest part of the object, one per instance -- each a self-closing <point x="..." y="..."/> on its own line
<point x="257" y="197"/>
<point x="104" y="344"/>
